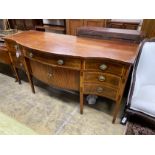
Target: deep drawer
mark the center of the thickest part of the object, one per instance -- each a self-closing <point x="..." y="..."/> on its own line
<point x="100" y="90"/>
<point x="102" y="78"/>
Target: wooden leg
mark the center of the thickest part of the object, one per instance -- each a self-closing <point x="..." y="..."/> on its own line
<point x="15" y="71"/>
<point x="27" y="68"/>
<point x="81" y="103"/>
<point x="116" y="110"/>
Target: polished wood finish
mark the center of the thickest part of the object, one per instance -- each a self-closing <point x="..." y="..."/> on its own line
<point x="102" y="78"/>
<point x="5" y="58"/>
<point x="79" y="64"/>
<point x="73" y="24"/>
<point x="66" y="79"/>
<point x="25" y="24"/>
<point x="110" y="34"/>
<point x="100" y="90"/>
<point x="95" y="22"/>
<point x="124" y="23"/>
<point x="148" y="27"/>
<point x="4" y="55"/>
<point x="66" y="45"/>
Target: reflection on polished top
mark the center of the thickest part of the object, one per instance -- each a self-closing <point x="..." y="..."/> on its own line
<point x="76" y="46"/>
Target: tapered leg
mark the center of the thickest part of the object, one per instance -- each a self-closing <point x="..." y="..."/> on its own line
<point x="116" y="110"/>
<point x="15" y="71"/>
<point x="81" y="103"/>
<point x="27" y="68"/>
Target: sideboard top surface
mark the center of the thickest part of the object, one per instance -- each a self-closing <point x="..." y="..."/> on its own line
<point x="76" y="46"/>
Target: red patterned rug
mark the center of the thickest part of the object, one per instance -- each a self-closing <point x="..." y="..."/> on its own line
<point x="137" y="129"/>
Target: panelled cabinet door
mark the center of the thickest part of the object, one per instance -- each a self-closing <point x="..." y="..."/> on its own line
<point x="72" y="25"/>
<point x="95" y="22"/>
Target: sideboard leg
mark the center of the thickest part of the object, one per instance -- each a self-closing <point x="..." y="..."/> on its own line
<point x="116" y="110"/>
<point x="81" y="103"/>
<point x="15" y="71"/>
<point x="27" y="68"/>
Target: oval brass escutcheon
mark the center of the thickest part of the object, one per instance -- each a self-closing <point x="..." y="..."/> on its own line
<point x="103" y="67"/>
<point x="99" y="89"/>
<point x="31" y="55"/>
<point x="49" y="75"/>
<point x="101" y="78"/>
<point x="60" y="62"/>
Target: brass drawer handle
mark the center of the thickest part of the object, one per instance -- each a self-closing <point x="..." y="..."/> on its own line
<point x="99" y="89"/>
<point x="49" y="75"/>
<point x="103" y="67"/>
<point x="31" y="55"/>
<point x="60" y="62"/>
<point x="101" y="78"/>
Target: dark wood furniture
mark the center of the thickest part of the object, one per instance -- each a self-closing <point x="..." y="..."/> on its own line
<point x="123" y="23"/>
<point x="110" y="34"/>
<point x="89" y="66"/>
<point x="5" y="58"/>
<point x="25" y="24"/>
<point x="148" y="27"/>
<point x="73" y="24"/>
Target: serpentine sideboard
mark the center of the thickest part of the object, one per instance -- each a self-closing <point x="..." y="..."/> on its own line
<point x="90" y="66"/>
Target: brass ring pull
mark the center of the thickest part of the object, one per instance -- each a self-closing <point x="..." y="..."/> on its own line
<point x="103" y="67"/>
<point x="101" y="78"/>
<point x="60" y="62"/>
<point x="31" y="55"/>
<point x="99" y="89"/>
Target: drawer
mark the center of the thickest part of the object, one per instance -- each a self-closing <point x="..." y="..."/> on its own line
<point x="102" y="78"/>
<point x="51" y="59"/>
<point x="104" y="66"/>
<point x="100" y="90"/>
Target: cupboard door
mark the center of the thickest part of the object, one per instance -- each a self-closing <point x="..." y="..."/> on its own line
<point x="40" y="71"/>
<point x="72" y="25"/>
<point x="95" y="22"/>
<point x="64" y="78"/>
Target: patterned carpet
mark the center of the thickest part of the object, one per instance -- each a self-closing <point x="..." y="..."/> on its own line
<point x="51" y="111"/>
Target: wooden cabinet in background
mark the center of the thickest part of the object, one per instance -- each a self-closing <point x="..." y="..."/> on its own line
<point x="95" y="22"/>
<point x="148" y="27"/>
<point x="73" y="24"/>
<point x="25" y="24"/>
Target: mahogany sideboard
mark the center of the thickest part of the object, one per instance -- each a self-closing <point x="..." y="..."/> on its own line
<point x="90" y="66"/>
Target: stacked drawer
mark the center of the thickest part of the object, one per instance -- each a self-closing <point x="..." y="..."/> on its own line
<point x="102" y="77"/>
